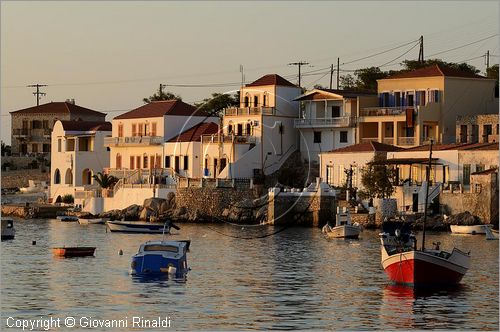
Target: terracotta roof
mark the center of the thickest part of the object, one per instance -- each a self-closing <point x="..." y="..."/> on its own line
<point x="456" y="146"/>
<point x="319" y="94"/>
<point x="58" y="108"/>
<point x="158" y="109"/>
<point x="435" y="70"/>
<point x="194" y="134"/>
<point x="271" y="79"/>
<point x="371" y="146"/>
<point x="86" y="125"/>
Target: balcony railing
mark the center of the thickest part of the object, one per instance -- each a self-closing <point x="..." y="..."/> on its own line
<point x="344" y="121"/>
<point x="368" y="139"/>
<point x="21" y="132"/>
<point x="228" y="139"/>
<point x="39" y="132"/>
<point x="406" y="141"/>
<point x="235" y="111"/>
<point x="388" y="140"/>
<point x="133" y="141"/>
<point x="384" y="111"/>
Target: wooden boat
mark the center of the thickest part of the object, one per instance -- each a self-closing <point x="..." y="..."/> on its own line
<point x="73" y="251"/>
<point x="407" y="265"/>
<point x="138" y="227"/>
<point x="161" y="258"/>
<point x="8" y="231"/>
<point x="343" y="227"/>
<point x="84" y="221"/>
<point x="67" y="218"/>
<point x="491" y="234"/>
<point x="469" y="229"/>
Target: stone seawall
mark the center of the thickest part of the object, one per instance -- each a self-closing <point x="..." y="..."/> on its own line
<point x="19" y="178"/>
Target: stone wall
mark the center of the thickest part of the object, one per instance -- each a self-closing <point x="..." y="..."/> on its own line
<point x="19" y="178"/>
<point x="208" y="203"/>
<point x="481" y="201"/>
<point x="479" y="121"/>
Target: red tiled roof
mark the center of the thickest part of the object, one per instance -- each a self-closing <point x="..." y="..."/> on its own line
<point x="86" y="125"/>
<point x="58" y="108"/>
<point x="456" y="146"/>
<point x="271" y="79"/>
<point x="158" y="109"/>
<point x="194" y="134"/>
<point x="371" y="146"/>
<point x="434" y="70"/>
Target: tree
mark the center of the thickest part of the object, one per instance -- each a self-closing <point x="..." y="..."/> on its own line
<point x="105" y="181"/>
<point x="377" y="179"/>
<point x="218" y="102"/>
<point x="367" y="78"/>
<point x="347" y="82"/>
<point x="161" y="95"/>
<point x="6" y="149"/>
<point x="415" y="64"/>
<point x="492" y="72"/>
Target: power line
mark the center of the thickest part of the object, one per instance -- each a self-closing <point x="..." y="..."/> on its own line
<point x="408" y="51"/>
<point x="379" y="53"/>
<point x="462" y="46"/>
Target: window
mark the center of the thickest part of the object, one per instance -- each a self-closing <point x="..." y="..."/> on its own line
<point x="264" y="100"/>
<point x="335" y="111"/>
<point x="36" y="124"/>
<point x="141" y="129"/>
<point x="176" y="164"/>
<point x="230" y="129"/>
<point x="186" y="163"/>
<point x="317" y="137"/>
<point x="59" y="145"/>
<point x="145" y="162"/>
<point x="120" y="130"/>
<point x="397" y="98"/>
<point x="246" y="102"/>
<point x="343" y="137"/>
<point x="57" y="176"/>
<point x="134" y="129"/>
<point x="466" y="174"/>
<point x="151" y="162"/>
<point x="255" y="101"/>
<point x="167" y="162"/>
<point x="45" y="124"/>
<point x="487" y="130"/>
<point x="249" y="129"/>
<point x="34" y="148"/>
<point x="119" y="161"/>
<point x="329" y="174"/>
<point x="138" y="162"/>
<point x="46" y="148"/>
<point x="158" y="161"/>
<point x="132" y="162"/>
<point x="146" y="130"/>
<point x="239" y="131"/>
<point x="153" y="129"/>
<point x="223" y="163"/>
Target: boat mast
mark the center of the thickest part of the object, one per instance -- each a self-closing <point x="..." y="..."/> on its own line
<point x="427" y="176"/>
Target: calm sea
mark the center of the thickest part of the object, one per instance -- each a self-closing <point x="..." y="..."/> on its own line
<point x="295" y="279"/>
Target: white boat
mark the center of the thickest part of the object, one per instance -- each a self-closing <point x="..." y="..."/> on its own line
<point x="491" y="234"/>
<point x="343" y="227"/>
<point x="84" y="221"/>
<point x="34" y="186"/>
<point x="8" y="231"/>
<point x="67" y="218"/>
<point x="138" y="227"/>
<point x="469" y="229"/>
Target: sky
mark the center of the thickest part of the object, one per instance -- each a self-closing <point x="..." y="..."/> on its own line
<point x="108" y="56"/>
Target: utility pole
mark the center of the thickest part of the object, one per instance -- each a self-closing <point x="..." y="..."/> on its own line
<point x="338" y="73"/>
<point x="331" y="76"/>
<point x="487" y="61"/>
<point x="161" y="89"/>
<point x="38" y="94"/>
<point x="421" y="51"/>
<point x="299" y="64"/>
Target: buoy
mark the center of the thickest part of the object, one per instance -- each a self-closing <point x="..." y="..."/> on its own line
<point x="120" y="252"/>
<point x="33" y="242"/>
<point x="172" y="270"/>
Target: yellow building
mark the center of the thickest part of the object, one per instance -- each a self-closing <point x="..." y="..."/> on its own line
<point x="422" y="104"/>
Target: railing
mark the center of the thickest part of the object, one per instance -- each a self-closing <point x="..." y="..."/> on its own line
<point x="388" y="140"/>
<point x="228" y="139"/>
<point x="368" y="139"/>
<point x="406" y="141"/>
<point x="235" y="111"/>
<point x="24" y="132"/>
<point x="344" y="121"/>
<point x="21" y="132"/>
<point x="384" y="111"/>
<point x="133" y="140"/>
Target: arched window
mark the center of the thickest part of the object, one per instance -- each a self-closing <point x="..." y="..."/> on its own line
<point x="57" y="176"/>
<point x="118" y="161"/>
<point x="86" y="177"/>
<point x="265" y="100"/>
<point x="255" y="101"/>
<point x="68" y="179"/>
<point x="230" y="128"/>
<point x="249" y="128"/>
<point x="246" y="101"/>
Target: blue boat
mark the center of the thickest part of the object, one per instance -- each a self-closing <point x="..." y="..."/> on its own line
<point x="167" y="258"/>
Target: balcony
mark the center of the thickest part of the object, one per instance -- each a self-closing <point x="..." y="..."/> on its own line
<point x="40" y="133"/>
<point x="385" y="111"/>
<point x="207" y="139"/>
<point x="339" y="122"/>
<point x="406" y="141"/>
<point x="24" y="132"/>
<point x="237" y="111"/>
<point x="133" y="141"/>
<point x="401" y="141"/>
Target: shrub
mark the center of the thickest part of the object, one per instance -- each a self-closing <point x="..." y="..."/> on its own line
<point x="68" y="199"/>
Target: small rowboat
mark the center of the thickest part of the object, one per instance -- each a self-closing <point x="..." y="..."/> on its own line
<point x="469" y="229"/>
<point x="83" y="221"/>
<point x="73" y="251"/>
<point x="138" y="227"/>
<point x="67" y="218"/>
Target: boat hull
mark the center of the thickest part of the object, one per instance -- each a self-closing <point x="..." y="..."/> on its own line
<point x="8" y="231"/>
<point x="73" y="251"/>
<point x="137" y="227"/>
<point x="67" y="218"/>
<point x="83" y="221"/>
<point x="344" y="231"/>
<point x="425" y="269"/>
<point x="472" y="229"/>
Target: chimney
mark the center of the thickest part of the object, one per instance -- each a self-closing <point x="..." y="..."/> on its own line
<point x="71" y="101"/>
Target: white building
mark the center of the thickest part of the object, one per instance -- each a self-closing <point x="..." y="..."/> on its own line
<point x="78" y="152"/>
<point x="258" y="136"/>
<point x="328" y="120"/>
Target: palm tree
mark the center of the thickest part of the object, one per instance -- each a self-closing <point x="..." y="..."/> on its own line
<point x="105" y="181"/>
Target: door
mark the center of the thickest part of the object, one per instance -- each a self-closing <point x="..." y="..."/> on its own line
<point x="176" y="165"/>
<point x="415" y="202"/>
<point x="215" y="167"/>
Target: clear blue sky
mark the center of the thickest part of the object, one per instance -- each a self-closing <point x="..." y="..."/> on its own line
<point x="109" y="55"/>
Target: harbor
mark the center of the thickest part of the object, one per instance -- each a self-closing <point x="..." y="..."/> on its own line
<point x="295" y="279"/>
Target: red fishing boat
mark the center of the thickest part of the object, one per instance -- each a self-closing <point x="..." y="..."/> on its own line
<point x="407" y="265"/>
<point x="73" y="251"/>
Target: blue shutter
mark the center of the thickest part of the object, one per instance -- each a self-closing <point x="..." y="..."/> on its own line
<point x="436" y="96"/>
<point x="392" y="102"/>
<point x="417" y="98"/>
<point x="403" y="99"/>
<point x="381" y="100"/>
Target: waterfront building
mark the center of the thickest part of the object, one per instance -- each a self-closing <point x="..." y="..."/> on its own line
<point x="78" y="153"/>
<point x="423" y="104"/>
<point x="32" y="126"/>
<point x="258" y="136"/>
<point x="328" y="120"/>
<point x="477" y="128"/>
